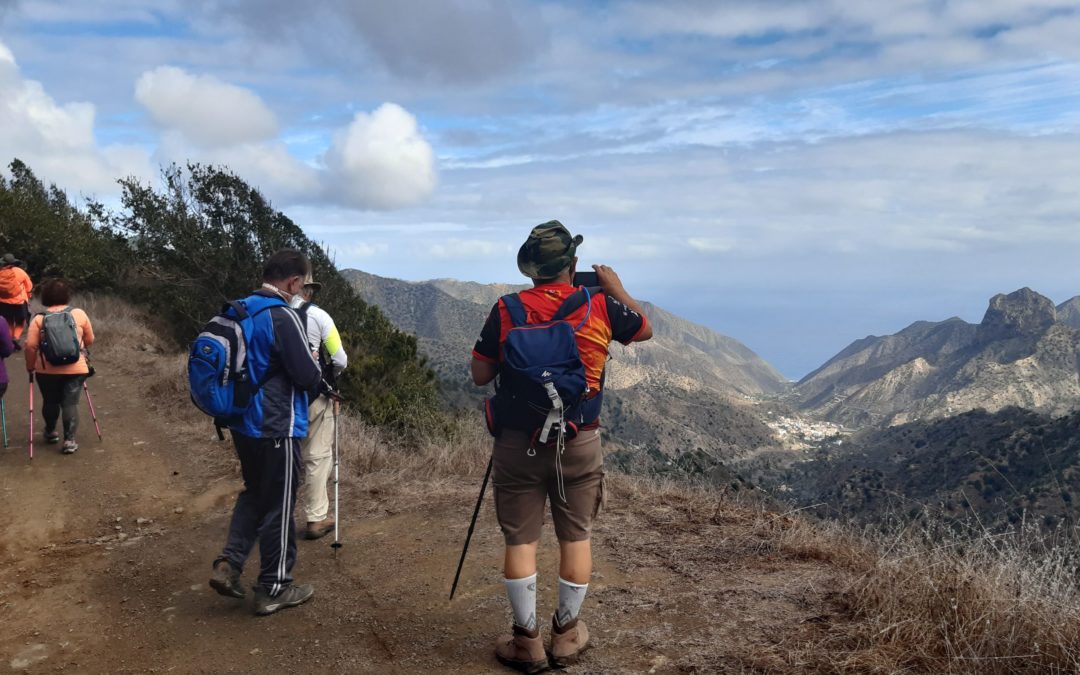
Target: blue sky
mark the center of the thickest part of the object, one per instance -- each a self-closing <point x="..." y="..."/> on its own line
<point x="794" y="174"/>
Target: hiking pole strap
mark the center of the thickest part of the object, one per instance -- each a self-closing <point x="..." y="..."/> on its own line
<point x="472" y="525"/>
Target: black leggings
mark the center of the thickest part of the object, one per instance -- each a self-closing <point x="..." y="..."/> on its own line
<point x="61" y="395"/>
<point x="16" y="316"/>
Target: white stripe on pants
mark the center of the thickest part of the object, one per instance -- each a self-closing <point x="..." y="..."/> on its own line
<point x="317" y="451"/>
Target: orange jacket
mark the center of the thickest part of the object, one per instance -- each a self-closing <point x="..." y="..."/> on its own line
<point x="34" y="361"/>
<point x="15" y="286"/>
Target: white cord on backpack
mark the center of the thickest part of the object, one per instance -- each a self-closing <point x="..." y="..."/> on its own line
<point x="555" y="418"/>
<point x="559" y="448"/>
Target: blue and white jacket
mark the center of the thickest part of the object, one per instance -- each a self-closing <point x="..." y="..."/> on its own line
<point x="280" y="362"/>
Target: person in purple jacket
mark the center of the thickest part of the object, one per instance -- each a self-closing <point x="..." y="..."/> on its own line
<point x="7" y="348"/>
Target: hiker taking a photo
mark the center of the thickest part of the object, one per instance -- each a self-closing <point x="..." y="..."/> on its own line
<point x="282" y="371"/>
<point x="318" y="448"/>
<point x="56" y="344"/>
<point x="15" y="291"/>
<point x="547" y="347"/>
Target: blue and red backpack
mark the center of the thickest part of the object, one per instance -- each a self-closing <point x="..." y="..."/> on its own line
<point x="541" y="384"/>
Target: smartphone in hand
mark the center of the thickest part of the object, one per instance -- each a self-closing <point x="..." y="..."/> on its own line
<point x="587" y="279"/>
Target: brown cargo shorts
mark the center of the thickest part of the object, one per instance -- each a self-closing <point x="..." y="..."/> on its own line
<point x="523" y="482"/>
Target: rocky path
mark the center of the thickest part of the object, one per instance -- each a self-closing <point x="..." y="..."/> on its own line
<point x="105" y="557"/>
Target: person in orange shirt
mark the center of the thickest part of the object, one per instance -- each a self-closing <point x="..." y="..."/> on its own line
<point x="15" y="290"/>
<point x="527" y="474"/>
<point x="60" y="384"/>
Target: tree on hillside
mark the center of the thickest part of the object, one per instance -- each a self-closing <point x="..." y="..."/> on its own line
<point x="201" y="239"/>
<point x="40" y="226"/>
<point x="184" y="248"/>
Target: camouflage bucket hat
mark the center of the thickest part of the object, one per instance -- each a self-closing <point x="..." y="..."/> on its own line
<point x="549" y="250"/>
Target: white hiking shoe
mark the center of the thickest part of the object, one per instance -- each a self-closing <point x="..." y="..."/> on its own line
<point x="69" y="447"/>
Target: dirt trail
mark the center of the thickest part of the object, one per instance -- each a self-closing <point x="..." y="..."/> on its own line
<point x="104" y="564"/>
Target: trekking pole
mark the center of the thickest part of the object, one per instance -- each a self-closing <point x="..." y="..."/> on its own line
<point x="31" y="414"/>
<point x="3" y="420"/>
<point x="468" y="537"/>
<point x="89" y="402"/>
<point x="337" y="461"/>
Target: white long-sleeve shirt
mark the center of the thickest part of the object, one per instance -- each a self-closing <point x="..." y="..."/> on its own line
<point x="323" y="333"/>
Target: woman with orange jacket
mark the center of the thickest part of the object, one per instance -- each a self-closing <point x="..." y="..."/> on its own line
<point x="15" y="289"/>
<point x="60" y="384"/>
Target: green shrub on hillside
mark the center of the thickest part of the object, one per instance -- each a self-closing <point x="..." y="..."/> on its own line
<point x="41" y="227"/>
<point x="183" y="249"/>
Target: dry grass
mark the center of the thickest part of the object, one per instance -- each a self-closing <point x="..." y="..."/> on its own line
<point x="119" y="327"/>
<point x="992" y="604"/>
<point x="919" y="601"/>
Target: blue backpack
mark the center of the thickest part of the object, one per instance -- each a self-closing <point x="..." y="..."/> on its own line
<point x="221" y="385"/>
<point x="541" y="382"/>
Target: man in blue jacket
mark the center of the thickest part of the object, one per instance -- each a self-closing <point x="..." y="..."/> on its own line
<point x="267" y="440"/>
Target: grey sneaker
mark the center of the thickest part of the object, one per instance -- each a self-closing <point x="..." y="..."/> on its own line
<point x="226" y="580"/>
<point x="69" y="447"/>
<point x="290" y="597"/>
<point x="52" y="437"/>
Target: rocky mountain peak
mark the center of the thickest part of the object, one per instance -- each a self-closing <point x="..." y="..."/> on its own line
<point x="1021" y="313"/>
<point x="1068" y="312"/>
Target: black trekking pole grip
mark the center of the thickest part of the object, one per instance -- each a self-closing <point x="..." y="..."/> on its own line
<point x="472" y="525"/>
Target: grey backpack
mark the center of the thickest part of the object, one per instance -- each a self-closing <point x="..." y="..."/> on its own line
<point x="59" y="338"/>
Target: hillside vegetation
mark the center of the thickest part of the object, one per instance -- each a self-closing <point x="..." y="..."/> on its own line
<point x="183" y="248"/>
<point x="990" y="470"/>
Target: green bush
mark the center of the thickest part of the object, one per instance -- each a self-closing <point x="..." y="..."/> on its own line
<point x="54" y="238"/>
<point x="186" y="247"/>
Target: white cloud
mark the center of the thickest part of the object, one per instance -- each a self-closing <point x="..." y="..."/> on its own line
<point x="363" y="249"/>
<point x="381" y="161"/>
<point x="207" y="111"/>
<point x="464" y="249"/>
<point x="57" y="140"/>
<point x="711" y="244"/>
<point x="267" y="165"/>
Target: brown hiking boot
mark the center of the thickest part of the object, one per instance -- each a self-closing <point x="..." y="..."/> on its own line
<point x="319" y="529"/>
<point x="568" y="642"/>
<point x="226" y="580"/>
<point x="524" y="651"/>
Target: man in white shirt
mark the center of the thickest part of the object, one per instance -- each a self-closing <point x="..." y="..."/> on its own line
<point x="317" y="449"/>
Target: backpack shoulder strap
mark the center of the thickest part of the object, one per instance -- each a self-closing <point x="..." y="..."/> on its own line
<point x="237" y="307"/>
<point x="582" y="297"/>
<point x="516" y="309"/>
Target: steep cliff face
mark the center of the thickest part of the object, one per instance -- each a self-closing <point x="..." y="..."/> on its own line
<point x="1018" y="355"/>
<point x="1019" y="318"/>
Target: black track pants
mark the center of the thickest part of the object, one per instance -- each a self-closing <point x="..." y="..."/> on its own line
<point x="264" y="510"/>
<point x="61" y="395"/>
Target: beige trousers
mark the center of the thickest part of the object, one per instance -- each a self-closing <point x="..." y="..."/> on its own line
<point x="317" y="451"/>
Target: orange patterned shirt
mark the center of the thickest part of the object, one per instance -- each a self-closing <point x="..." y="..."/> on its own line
<point x="609" y="320"/>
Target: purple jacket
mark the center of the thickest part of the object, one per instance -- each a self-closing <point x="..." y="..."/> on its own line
<point x="7" y="347"/>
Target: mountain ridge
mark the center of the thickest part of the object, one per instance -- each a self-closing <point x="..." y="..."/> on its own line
<point x="682" y="394"/>
<point x="1019" y="354"/>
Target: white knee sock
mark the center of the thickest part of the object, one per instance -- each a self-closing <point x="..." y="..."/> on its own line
<point x="522" y="594"/>
<point x="571" y="596"/>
